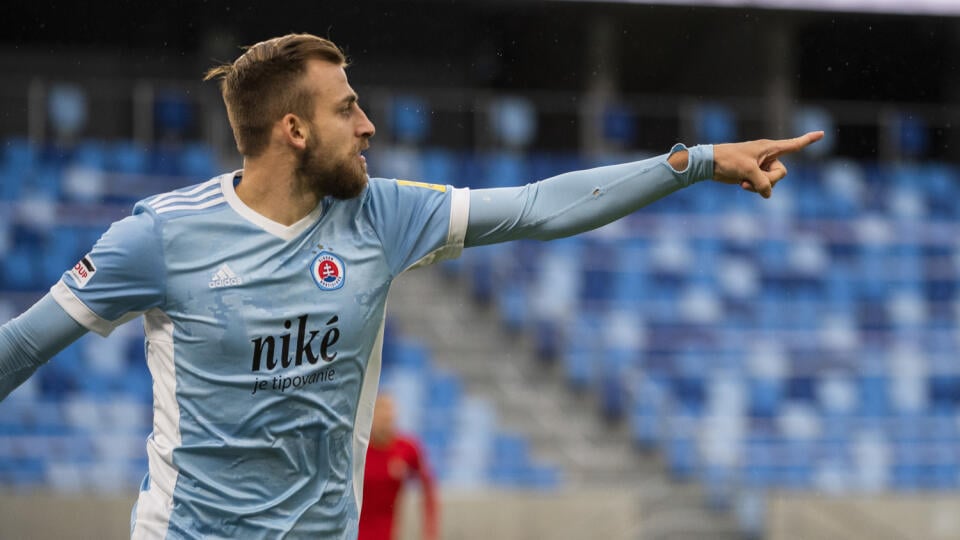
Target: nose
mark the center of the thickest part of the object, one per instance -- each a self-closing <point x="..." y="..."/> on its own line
<point x="365" y="127"/>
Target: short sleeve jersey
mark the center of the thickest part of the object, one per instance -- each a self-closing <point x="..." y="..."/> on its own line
<point x="264" y="344"/>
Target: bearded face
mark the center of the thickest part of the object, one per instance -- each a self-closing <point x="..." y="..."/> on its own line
<point x="339" y="173"/>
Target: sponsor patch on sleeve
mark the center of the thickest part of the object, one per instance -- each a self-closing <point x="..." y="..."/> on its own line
<point x="83" y="271"/>
<point x="436" y="187"/>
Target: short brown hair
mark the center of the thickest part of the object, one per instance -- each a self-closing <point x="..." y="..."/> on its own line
<point x="261" y="86"/>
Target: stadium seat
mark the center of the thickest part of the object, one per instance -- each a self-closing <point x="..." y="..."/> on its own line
<point x="128" y="157"/>
<point x="19" y="155"/>
<point x="509" y="459"/>
<point x="680" y="447"/>
<point x="872" y="460"/>
<point x="197" y="161"/>
<point x="715" y="123"/>
<point x="544" y="165"/>
<point x="505" y="169"/>
<point x="24" y="472"/>
<point x="20" y="269"/>
<point x="750" y="508"/>
<point x="578" y="350"/>
<point x="471" y="445"/>
<point x="513" y="306"/>
<point x="440" y="166"/>
<point x="90" y="154"/>
<point x="873" y="395"/>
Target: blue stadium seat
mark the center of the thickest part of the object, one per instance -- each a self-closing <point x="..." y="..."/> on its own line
<point x="547" y="165"/>
<point x="796" y="460"/>
<point x="128" y="157"/>
<point x="90" y="154"/>
<point x="20" y="267"/>
<point x="510" y="457"/>
<point x="720" y="484"/>
<point x="19" y="155"/>
<point x="513" y="306"/>
<point x="542" y="477"/>
<point x="578" y="367"/>
<point x="43" y="183"/>
<point x="197" y="160"/>
<point x="750" y="509"/>
<point x="944" y="392"/>
<point x="10" y="184"/>
<point x="619" y="124"/>
<point x="23" y="472"/>
<point x="506" y="170"/>
<point x="873" y="395"/>
<point x="647" y="423"/>
<point x="485" y="270"/>
<point x="411" y="355"/>
<point x="62" y="249"/>
<point x="680" y="447"/>
<point x="715" y="123"/>
<point x="410" y="118"/>
<point x="760" y="462"/>
<point x="940" y="183"/>
<point x="173" y="114"/>
<point x="444" y="392"/>
<point x="440" y="167"/>
<point x="765" y="396"/>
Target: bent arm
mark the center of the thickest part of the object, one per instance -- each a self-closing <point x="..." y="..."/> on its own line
<point x="31" y="339"/>
<point x="579" y="201"/>
<point x="431" y="515"/>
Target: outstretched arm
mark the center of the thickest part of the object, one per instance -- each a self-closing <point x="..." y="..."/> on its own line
<point x="31" y="339"/>
<point x="579" y="201"/>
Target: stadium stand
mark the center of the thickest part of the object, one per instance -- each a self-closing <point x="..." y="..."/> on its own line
<point x="752" y="360"/>
<point x="802" y="344"/>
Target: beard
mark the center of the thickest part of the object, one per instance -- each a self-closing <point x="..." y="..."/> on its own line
<point x="344" y="179"/>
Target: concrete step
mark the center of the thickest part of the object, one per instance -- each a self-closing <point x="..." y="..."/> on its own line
<point x="530" y="397"/>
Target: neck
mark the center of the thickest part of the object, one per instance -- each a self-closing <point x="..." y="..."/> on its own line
<point x="380" y="441"/>
<point x="270" y="187"/>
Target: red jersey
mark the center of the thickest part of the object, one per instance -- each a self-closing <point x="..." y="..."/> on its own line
<point x="386" y="470"/>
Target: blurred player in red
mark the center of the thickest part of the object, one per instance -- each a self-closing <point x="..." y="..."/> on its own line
<point x="392" y="459"/>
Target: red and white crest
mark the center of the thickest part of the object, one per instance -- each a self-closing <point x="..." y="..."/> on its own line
<point x="327" y="271"/>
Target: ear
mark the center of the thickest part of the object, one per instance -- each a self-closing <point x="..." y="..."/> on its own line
<point x="294" y="130"/>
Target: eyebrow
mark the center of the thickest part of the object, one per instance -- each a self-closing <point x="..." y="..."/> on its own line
<point x="349" y="100"/>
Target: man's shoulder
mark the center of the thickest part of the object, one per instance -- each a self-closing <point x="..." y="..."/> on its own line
<point x="406" y="443"/>
<point x="393" y="194"/>
<point x="189" y="200"/>
<point x="399" y="185"/>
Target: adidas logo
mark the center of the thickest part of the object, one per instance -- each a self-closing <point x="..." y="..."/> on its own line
<point x="224" y="277"/>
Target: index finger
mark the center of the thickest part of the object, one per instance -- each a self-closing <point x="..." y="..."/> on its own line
<point x="786" y="146"/>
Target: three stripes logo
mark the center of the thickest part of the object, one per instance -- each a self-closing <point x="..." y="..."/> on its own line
<point x="224" y="277"/>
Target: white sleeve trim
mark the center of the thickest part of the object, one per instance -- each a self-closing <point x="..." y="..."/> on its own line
<point x="456" y="231"/>
<point x="83" y="314"/>
<point x="459" y="217"/>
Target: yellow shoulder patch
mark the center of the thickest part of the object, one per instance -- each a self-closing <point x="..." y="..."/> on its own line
<point x="436" y="187"/>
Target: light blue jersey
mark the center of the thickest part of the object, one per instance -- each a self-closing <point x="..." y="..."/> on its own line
<point x="264" y="345"/>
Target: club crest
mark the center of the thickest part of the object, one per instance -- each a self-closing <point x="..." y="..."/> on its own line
<point x="328" y="271"/>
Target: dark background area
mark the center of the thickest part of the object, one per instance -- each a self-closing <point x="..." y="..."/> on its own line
<point x="662" y="49"/>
